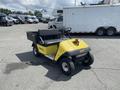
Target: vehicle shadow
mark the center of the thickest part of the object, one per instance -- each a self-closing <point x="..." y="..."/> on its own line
<point x="10" y="67"/>
<point x="93" y="36"/>
<point x="53" y="70"/>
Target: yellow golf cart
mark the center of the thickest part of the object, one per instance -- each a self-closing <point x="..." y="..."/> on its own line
<point x="60" y="47"/>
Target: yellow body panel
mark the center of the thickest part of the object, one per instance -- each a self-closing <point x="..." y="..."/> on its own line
<point x="68" y="45"/>
<point x="64" y="46"/>
<point x="52" y="49"/>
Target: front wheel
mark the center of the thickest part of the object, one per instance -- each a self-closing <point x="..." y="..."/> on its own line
<point x="67" y="66"/>
<point x="89" y="59"/>
<point x="35" y="51"/>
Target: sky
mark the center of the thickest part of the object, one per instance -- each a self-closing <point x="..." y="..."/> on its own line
<point x="49" y="5"/>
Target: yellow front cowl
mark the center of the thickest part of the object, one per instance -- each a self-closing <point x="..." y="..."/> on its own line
<point x="68" y="45"/>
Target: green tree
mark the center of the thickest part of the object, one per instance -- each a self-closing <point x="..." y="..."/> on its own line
<point x="6" y="11"/>
<point x="30" y="13"/>
<point x="37" y="13"/>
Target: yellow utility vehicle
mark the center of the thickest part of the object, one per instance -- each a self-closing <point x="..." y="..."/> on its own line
<point x="60" y="47"/>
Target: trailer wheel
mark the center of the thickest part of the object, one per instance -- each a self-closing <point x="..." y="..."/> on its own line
<point x="35" y="51"/>
<point x="111" y="31"/>
<point x="100" y="31"/>
<point x="67" y="66"/>
<point x="88" y="60"/>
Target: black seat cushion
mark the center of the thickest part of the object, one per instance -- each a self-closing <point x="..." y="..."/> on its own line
<point x="52" y="42"/>
<point x="48" y="32"/>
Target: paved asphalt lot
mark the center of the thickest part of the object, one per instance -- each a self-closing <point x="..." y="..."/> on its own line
<point x="16" y="51"/>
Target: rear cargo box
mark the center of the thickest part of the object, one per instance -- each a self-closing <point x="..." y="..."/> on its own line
<point x="32" y="36"/>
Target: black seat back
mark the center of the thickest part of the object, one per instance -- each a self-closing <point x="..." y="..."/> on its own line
<point x="49" y="34"/>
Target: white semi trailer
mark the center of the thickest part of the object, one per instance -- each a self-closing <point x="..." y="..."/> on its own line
<point x="100" y="19"/>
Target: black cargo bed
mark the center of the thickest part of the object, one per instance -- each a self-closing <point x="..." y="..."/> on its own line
<point x="32" y="36"/>
<point x="35" y="36"/>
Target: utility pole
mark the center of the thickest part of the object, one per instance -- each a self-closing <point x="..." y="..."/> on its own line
<point x="75" y="2"/>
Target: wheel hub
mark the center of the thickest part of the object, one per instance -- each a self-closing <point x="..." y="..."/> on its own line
<point x="65" y="67"/>
<point x="100" y="32"/>
<point x="110" y="32"/>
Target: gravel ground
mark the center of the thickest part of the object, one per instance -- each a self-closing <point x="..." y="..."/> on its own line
<point x="16" y="51"/>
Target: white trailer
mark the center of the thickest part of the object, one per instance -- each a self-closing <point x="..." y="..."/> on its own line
<point x="100" y="19"/>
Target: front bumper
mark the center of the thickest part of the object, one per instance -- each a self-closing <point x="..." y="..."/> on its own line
<point x="80" y="58"/>
<point x="79" y="55"/>
<point x="79" y="52"/>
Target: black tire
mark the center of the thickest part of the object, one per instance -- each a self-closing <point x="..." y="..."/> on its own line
<point x="50" y="27"/>
<point x="111" y="31"/>
<point x="67" y="66"/>
<point x="10" y="24"/>
<point x="35" y="51"/>
<point x="88" y="60"/>
<point x="100" y="31"/>
<point x="54" y="27"/>
<point x="6" y="24"/>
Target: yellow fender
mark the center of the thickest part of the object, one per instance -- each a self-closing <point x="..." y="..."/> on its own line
<point x="70" y="45"/>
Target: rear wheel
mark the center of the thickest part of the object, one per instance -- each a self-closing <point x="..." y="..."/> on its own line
<point x="111" y="31"/>
<point x="67" y="66"/>
<point x="88" y="60"/>
<point x="100" y="31"/>
<point x="35" y="51"/>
